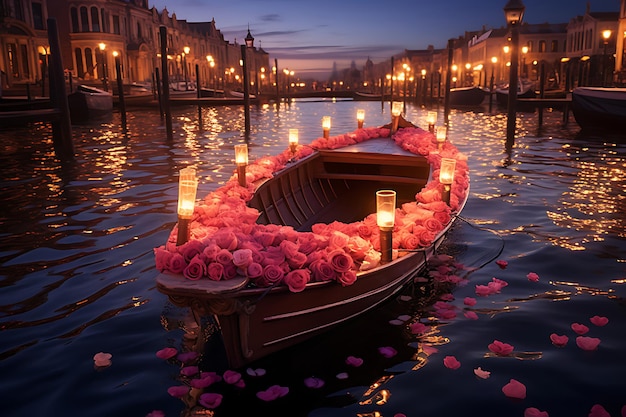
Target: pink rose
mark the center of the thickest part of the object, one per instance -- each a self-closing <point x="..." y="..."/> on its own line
<point x="254" y="271"/>
<point x="322" y="270"/>
<point x="297" y="260"/>
<point x="224" y="256"/>
<point x="215" y="271"/>
<point x="289" y="248"/>
<point x="230" y="271"/>
<point x="340" y="261"/>
<point x="210" y="252"/>
<point x="346" y="278"/>
<point x="272" y="274"/>
<point x="409" y="241"/>
<point x="226" y="240"/>
<point x="242" y="258"/>
<point x="559" y="340"/>
<point x="296" y="280"/>
<point x="338" y="240"/>
<point x="196" y="269"/>
<point x="587" y="343"/>
<point x="514" y="389"/>
<point x="191" y="249"/>
<point x="358" y="247"/>
<point x="177" y="263"/>
<point x="162" y="258"/>
<point x="451" y="362"/>
<point x="424" y="235"/>
<point x="500" y="348"/>
<point x="433" y="225"/>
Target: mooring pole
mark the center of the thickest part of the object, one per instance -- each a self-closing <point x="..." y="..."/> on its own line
<point x="166" y="83"/>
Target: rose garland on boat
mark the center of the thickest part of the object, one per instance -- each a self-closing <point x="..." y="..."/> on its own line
<point x="226" y="241"/>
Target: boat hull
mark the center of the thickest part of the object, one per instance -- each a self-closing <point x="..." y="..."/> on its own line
<point x="467" y="96"/>
<point x="89" y="103"/>
<point x="600" y="109"/>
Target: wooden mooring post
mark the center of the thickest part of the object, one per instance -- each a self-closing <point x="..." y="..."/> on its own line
<point x="165" y="94"/>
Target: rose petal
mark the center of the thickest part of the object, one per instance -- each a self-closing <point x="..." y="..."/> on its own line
<point x="599" y="320"/>
<point x="232" y="377"/>
<point x="532" y="277"/>
<point x="354" y="361"/>
<point x="500" y="348"/>
<point x="471" y="315"/>
<point x="587" y="343"/>
<point x="187" y="356"/>
<point x="255" y="372"/>
<point x="210" y="400"/>
<point x="313" y="382"/>
<point x="559" y="340"/>
<point x="579" y="328"/>
<point x="502" y="264"/>
<point x="387" y="351"/>
<point x="102" y="359"/>
<point x="514" y="389"/>
<point x="479" y="372"/>
<point x="342" y="375"/>
<point x="535" y="412"/>
<point x="469" y="301"/>
<point x="451" y="362"/>
<point x="178" y="391"/>
<point x="166" y="353"/>
<point x="598" y="411"/>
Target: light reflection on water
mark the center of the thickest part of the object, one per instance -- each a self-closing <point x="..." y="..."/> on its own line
<point x="78" y="276"/>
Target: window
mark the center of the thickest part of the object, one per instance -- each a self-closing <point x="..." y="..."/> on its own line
<point x="116" y="24"/>
<point x="14" y="69"/>
<point x="138" y="30"/>
<point x="542" y="46"/>
<point x="17" y="10"/>
<point x="74" y="17"/>
<point x="84" y="19"/>
<point x="554" y="46"/>
<point x="37" y="16"/>
<point x="531" y="46"/>
<point x="105" y="21"/>
<point x="95" y="20"/>
<point x="89" y="62"/>
<point x="80" y="69"/>
<point x="24" y="58"/>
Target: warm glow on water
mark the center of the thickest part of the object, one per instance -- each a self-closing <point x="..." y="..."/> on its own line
<point x="76" y="250"/>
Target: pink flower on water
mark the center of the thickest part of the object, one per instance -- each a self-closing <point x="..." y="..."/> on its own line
<point x="532" y="277"/>
<point x="469" y="301"/>
<point x="599" y="320"/>
<point x="559" y="340"/>
<point x="255" y="372"/>
<point x="102" y="359"/>
<point x="187" y="356"/>
<point x="232" y="377"/>
<point x="470" y="315"/>
<point x="354" y="361"/>
<point x="514" y="389"/>
<point x="480" y="373"/>
<point x="272" y="393"/>
<point x="210" y="400"/>
<point x="483" y="290"/>
<point x="587" y="343"/>
<point x="579" y="328"/>
<point x="502" y="264"/>
<point x="598" y="411"/>
<point x="189" y="371"/>
<point x="167" y="353"/>
<point x="313" y="382"/>
<point x="535" y="412"/>
<point x="451" y="362"/>
<point x="500" y="348"/>
<point x="387" y="351"/>
<point x="178" y="391"/>
<point x="156" y="413"/>
<point x="418" y="328"/>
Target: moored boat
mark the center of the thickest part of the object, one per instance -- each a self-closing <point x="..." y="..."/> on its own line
<point x="600" y="109"/>
<point x="467" y="96"/>
<point x="297" y="250"/>
<point x="524" y="90"/>
<point x="87" y="103"/>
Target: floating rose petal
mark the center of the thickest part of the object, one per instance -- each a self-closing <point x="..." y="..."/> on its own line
<point x="187" y="356"/>
<point x="102" y="359"/>
<point x="166" y="353"/>
<point x="405" y="298"/>
<point x="532" y="277"/>
<point x="255" y="372"/>
<point x="598" y="411"/>
<point x="587" y="343"/>
<point x="396" y="322"/>
<point x="469" y="301"/>
<point x="451" y="362"/>
<point x="387" y="351"/>
<point x="418" y="328"/>
<point x="579" y="328"/>
<point x="535" y="412"/>
<point x="447" y="297"/>
<point x="500" y="348"/>
<point x="314" y="382"/>
<point x="471" y="315"/>
<point x="502" y="264"/>
<point x="599" y="321"/>
<point x="483" y="290"/>
<point x="479" y="372"/>
<point x="272" y="393"/>
<point x="354" y="361"/>
<point x="342" y="375"/>
<point x="559" y="340"/>
<point x="178" y="391"/>
<point x="156" y="413"/>
<point x="514" y="389"/>
<point x="189" y="371"/>
<point x="399" y="415"/>
<point x="232" y="377"/>
<point x="445" y="314"/>
<point x="210" y="400"/>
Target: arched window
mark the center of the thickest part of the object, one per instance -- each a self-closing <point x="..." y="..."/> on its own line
<point x="89" y="62"/>
<point x="542" y="46"/>
<point x="84" y="19"/>
<point x="74" y="17"/>
<point x="95" y="20"/>
<point x="80" y="69"/>
<point x="105" y="21"/>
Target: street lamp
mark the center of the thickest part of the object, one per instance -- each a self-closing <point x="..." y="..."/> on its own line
<point x="524" y="52"/>
<point x="246" y="83"/>
<point x="606" y="35"/>
<point x="186" y="50"/>
<point x="514" y="13"/>
<point x="494" y="61"/>
<point x="102" y="46"/>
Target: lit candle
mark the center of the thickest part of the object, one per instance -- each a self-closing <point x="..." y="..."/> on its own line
<point x="446" y="177"/>
<point x="431" y="119"/>
<point x="241" y="159"/>
<point x="293" y="140"/>
<point x="441" y="136"/>
<point x="187" y="187"/>
<point x="385" y="218"/>
<point x="396" y="111"/>
<point x="326" y="126"/>
<point x="360" y="117"/>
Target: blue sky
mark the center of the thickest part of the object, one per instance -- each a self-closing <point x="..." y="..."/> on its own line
<point x="309" y="36"/>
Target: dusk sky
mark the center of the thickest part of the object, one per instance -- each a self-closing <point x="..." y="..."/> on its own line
<point x="309" y="36"/>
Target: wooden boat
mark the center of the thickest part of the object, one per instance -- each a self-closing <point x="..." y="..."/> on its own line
<point x="318" y="188"/>
<point x="600" y="109"/>
<point x="467" y="96"/>
<point x="524" y="90"/>
<point x="211" y="92"/>
<point x="362" y="96"/>
<point x="88" y="103"/>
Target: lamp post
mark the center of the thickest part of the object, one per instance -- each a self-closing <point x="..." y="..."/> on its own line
<point x="186" y="50"/>
<point x="241" y="160"/>
<point x="102" y="46"/>
<point x="514" y="13"/>
<point x="494" y="61"/>
<point x="524" y="52"/>
<point x="606" y="34"/>
<point x="446" y="177"/>
<point x="187" y="187"/>
<point x="246" y="83"/>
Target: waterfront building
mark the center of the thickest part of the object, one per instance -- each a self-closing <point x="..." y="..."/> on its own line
<point x="91" y="32"/>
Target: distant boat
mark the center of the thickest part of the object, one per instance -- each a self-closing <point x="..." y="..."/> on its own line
<point x="360" y="96"/>
<point x="467" y="96"/>
<point x="88" y="103"/>
<point x="524" y="90"/>
<point x="211" y="92"/>
<point x="601" y="109"/>
<point x="238" y="94"/>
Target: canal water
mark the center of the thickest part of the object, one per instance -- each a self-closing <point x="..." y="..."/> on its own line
<point x="77" y="275"/>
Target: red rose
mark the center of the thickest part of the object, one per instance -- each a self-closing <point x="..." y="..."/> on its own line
<point x="272" y="274"/>
<point x="322" y="270"/>
<point x="215" y="271"/>
<point x="346" y="278"/>
<point x="196" y="269"/>
<point x="296" y="280"/>
<point x="340" y="261"/>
